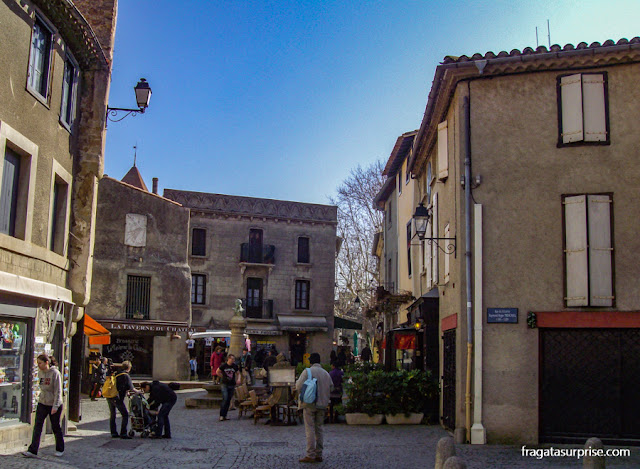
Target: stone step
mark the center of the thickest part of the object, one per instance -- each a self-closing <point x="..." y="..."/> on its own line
<point x="203" y="401"/>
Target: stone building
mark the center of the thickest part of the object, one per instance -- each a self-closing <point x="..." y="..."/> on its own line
<point x="141" y="277"/>
<point x="551" y="351"/>
<point x="55" y="62"/>
<point x="277" y="256"/>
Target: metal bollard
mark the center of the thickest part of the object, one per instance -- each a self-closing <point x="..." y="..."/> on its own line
<point x="454" y="462"/>
<point x="444" y="451"/>
<point x="593" y="462"/>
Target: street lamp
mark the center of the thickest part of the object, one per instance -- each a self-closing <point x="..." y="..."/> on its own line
<point x="421" y="220"/>
<point x="143" y="96"/>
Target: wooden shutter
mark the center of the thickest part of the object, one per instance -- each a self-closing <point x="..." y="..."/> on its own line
<point x="593" y="107"/>
<point x="9" y="194"/>
<point x="446" y="256"/>
<point x="575" y="216"/>
<point x="571" y="108"/>
<point x="428" y="256"/>
<point x="600" y="251"/>
<point x="434" y="247"/>
<point x="443" y="151"/>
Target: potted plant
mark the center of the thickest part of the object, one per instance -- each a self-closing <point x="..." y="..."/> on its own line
<point x="364" y="399"/>
<point x="408" y="394"/>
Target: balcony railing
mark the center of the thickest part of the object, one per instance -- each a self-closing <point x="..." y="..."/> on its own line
<point x="252" y="255"/>
<point x="257" y="309"/>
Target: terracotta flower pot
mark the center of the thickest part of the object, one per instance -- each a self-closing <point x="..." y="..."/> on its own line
<point x="364" y="419"/>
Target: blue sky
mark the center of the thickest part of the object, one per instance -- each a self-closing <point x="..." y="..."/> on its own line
<point x="280" y="99"/>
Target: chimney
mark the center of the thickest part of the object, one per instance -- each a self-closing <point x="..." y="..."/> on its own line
<point x="155" y="186"/>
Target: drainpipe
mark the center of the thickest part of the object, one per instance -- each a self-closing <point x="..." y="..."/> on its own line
<point x="478" y="432"/>
<point x="467" y="214"/>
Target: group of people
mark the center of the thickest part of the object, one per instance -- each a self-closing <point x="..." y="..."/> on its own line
<point x="162" y="397"/>
<point x="245" y="365"/>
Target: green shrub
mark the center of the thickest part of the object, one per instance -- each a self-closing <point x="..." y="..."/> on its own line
<point x="394" y="392"/>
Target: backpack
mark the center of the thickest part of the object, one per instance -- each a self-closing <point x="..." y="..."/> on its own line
<point x="109" y="388"/>
<point x="309" y="392"/>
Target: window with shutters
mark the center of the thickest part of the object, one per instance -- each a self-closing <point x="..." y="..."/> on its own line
<point x="447" y="234"/>
<point x="18" y="167"/>
<point x="138" y="297"/>
<point x="40" y="59"/>
<point x="69" y="92"/>
<point x="434" y="247"/>
<point x="443" y="151"/>
<point x="583" y="109"/>
<point x="302" y="294"/>
<point x="304" y="256"/>
<point x="198" y="289"/>
<point x="588" y="250"/>
<point x="198" y="242"/>
<point x="409" y="249"/>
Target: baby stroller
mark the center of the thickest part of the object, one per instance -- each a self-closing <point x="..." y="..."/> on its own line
<point x="142" y="421"/>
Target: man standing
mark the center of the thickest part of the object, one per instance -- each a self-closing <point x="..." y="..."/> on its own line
<point x="314" y="413"/>
<point x="160" y="395"/>
<point x="123" y="385"/>
<point x="230" y="376"/>
<point x="366" y="354"/>
<point x="245" y="364"/>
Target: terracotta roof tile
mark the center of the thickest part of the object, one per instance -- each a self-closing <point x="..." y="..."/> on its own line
<point x="539" y="50"/>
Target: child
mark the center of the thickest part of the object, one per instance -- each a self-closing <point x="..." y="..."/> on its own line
<point x="193" y="366"/>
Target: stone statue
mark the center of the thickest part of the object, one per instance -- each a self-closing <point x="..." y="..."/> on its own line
<point x="238" y="309"/>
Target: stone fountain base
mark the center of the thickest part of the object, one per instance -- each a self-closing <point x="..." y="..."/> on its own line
<point x="211" y="399"/>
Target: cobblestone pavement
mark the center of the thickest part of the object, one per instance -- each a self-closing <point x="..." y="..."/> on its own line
<point x="201" y="441"/>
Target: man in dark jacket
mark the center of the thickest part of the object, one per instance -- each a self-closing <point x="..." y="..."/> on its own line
<point x="123" y="385"/>
<point x="160" y="395"/>
<point x="98" y="377"/>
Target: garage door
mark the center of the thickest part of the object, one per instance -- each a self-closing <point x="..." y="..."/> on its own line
<point x="590" y="385"/>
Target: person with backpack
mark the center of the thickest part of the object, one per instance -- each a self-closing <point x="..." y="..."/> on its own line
<point x="314" y="387"/>
<point x="123" y="385"/>
<point x="49" y="404"/>
<point x="98" y="377"/>
<point x="160" y="395"/>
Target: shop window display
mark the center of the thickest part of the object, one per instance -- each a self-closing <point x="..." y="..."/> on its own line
<point x="12" y="358"/>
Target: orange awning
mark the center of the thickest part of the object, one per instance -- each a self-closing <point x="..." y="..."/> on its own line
<point x="97" y="334"/>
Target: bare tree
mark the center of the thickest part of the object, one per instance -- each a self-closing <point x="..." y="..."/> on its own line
<point x="358" y="221"/>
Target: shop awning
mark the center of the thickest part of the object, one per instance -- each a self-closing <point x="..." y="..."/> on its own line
<point x="97" y="334"/>
<point x="302" y="323"/>
<point x="343" y="323"/>
<point x="211" y="333"/>
<point x="262" y="329"/>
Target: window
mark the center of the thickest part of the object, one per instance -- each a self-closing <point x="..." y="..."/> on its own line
<point x="18" y="167"/>
<point x="428" y="182"/>
<point x="16" y="367"/>
<point x="10" y="190"/>
<point x="583" y="109"/>
<point x="409" y="248"/>
<point x="40" y="58"/>
<point x="434" y="247"/>
<point x="443" y="151"/>
<point x="198" y="289"/>
<point x="407" y="176"/>
<point x="389" y="212"/>
<point x="303" y="250"/>
<point x="447" y="234"/>
<point x="69" y="93"/>
<point x="302" y="294"/>
<point x="58" y="216"/>
<point x="254" y="297"/>
<point x="138" y="297"/>
<point x="588" y="250"/>
<point x="400" y="180"/>
<point x="198" y="242"/>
